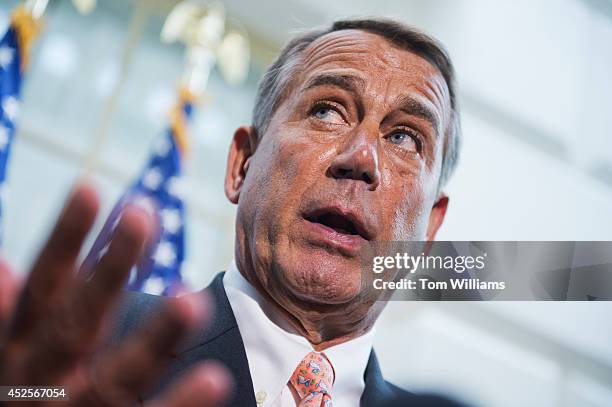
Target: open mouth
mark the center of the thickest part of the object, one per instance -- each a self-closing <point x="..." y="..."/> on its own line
<point x="343" y="223"/>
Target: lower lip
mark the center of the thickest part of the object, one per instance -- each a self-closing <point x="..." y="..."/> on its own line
<point x="346" y="244"/>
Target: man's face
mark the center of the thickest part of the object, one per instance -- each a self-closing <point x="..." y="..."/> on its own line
<point x="351" y="156"/>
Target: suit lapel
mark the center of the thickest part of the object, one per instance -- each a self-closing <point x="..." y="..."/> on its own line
<point x="377" y="390"/>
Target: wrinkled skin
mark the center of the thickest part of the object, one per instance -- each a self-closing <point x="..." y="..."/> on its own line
<point x="361" y="128"/>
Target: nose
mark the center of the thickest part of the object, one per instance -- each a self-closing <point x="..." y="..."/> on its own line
<point x="358" y="160"/>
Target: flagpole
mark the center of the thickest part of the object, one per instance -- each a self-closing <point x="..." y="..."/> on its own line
<point x="135" y="31"/>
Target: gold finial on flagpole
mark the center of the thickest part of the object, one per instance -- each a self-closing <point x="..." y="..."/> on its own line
<point x="201" y="26"/>
<point x="36" y="8"/>
<point x="26" y="21"/>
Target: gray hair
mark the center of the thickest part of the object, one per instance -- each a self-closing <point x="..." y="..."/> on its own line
<point x="274" y="84"/>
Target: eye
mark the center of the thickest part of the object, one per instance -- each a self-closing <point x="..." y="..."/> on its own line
<point x="327" y="113"/>
<point x="407" y="140"/>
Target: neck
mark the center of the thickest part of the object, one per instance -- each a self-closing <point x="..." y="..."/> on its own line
<point x="324" y="331"/>
<point x="323" y="326"/>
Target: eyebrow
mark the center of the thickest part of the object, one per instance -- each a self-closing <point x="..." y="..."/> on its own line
<point x="349" y="83"/>
<point x="414" y="107"/>
<point x="352" y="83"/>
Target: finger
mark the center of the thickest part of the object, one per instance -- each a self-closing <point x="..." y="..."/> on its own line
<point x="124" y="374"/>
<point x="75" y="325"/>
<point x="206" y="385"/>
<point x="56" y="261"/>
<point x="9" y="289"/>
<point x="91" y="300"/>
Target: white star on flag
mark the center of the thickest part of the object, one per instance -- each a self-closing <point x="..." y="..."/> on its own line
<point x="10" y="105"/>
<point x="153" y="285"/>
<point x="4" y="137"/>
<point x="164" y="254"/>
<point x="6" y="57"/>
<point x="152" y="179"/>
<point x="162" y="146"/>
<point x="171" y="220"/>
<point x="158" y="191"/>
<point x="176" y="187"/>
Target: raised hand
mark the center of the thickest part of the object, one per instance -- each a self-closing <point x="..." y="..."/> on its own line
<point x="53" y="325"/>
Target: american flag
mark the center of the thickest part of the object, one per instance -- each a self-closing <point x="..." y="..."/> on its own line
<point x="10" y="89"/>
<point x="159" y="190"/>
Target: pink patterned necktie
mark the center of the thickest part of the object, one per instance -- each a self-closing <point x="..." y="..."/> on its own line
<point x="313" y="380"/>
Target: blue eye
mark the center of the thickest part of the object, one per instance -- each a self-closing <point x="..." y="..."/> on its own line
<point x="322" y="112"/>
<point x="405" y="139"/>
<point x="328" y="114"/>
<point x="398" y="138"/>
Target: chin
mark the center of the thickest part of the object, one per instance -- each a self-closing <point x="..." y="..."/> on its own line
<point x="321" y="277"/>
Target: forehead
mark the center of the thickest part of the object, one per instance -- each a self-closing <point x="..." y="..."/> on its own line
<point x="372" y="57"/>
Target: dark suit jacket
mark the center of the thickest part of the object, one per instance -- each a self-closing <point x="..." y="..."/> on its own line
<point x="222" y="341"/>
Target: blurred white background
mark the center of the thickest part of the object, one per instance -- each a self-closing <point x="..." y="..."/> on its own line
<point x="536" y="95"/>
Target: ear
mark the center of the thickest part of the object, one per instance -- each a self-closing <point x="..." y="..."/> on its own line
<point x="238" y="159"/>
<point x="437" y="216"/>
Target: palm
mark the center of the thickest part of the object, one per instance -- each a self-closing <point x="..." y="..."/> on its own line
<point x="53" y="326"/>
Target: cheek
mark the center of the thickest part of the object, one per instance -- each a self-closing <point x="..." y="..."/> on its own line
<point x="301" y="156"/>
<point x="406" y="212"/>
<point x="282" y="170"/>
<point x="410" y="191"/>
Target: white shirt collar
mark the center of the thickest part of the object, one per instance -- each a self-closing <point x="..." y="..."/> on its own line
<point x="274" y="349"/>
